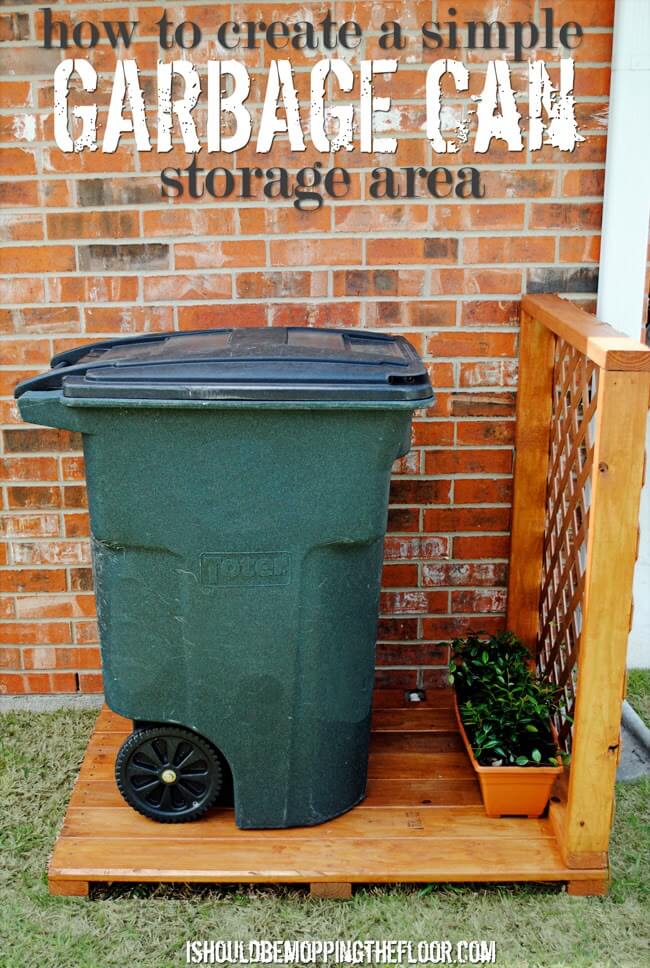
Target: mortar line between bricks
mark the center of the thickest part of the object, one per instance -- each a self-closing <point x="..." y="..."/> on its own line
<point x="315" y="236"/>
<point x="148" y="44"/>
<point x="349" y="268"/>
<point x="558" y="167"/>
<point x="395" y="506"/>
<point x="550" y="57"/>
<point x="298" y="300"/>
<point x="451" y="330"/>
<point x="256" y="108"/>
<point x="155" y="4"/>
<point x="167" y="273"/>
<point x="456" y="100"/>
<point x="434" y="563"/>
<point x="504" y="167"/>
<point x="424" y="448"/>
<point x="332" y="160"/>
<point x="413" y="535"/>
<point x="126" y="144"/>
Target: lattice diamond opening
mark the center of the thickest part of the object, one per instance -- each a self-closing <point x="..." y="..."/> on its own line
<point x="568" y="500"/>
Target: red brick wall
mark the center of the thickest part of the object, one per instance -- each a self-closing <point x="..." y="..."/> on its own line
<point x="89" y="250"/>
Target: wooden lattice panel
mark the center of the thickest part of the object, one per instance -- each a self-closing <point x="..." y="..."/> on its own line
<point x="582" y="411"/>
<point x="568" y="500"/>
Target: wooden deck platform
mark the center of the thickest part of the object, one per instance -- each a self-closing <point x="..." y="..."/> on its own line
<point x="422" y="821"/>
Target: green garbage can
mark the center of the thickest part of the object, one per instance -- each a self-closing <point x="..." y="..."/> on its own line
<point x="238" y="486"/>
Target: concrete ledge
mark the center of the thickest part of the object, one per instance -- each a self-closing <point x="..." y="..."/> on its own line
<point x="635" y="725"/>
<point x="48" y="703"/>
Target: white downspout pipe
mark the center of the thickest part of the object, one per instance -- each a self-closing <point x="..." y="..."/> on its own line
<point x="626" y="213"/>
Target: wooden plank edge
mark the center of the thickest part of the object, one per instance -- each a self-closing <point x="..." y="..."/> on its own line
<point x="593" y="888"/>
<point x="61" y="886"/>
<point x="539" y="826"/>
<point x="67" y="887"/>
<point x="604" y="345"/>
<point x="425" y="841"/>
<point x="61" y="878"/>
<point x="331" y="890"/>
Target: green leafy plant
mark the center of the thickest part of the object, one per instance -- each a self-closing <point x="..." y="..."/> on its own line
<point x="505" y="708"/>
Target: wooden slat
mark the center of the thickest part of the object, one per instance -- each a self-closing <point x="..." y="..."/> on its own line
<point x="426" y="766"/>
<point x="110" y="722"/>
<point x="415" y="741"/>
<point x="357" y="860"/>
<point x="101" y="794"/>
<point x="603" y="344"/>
<point x="611" y="553"/>
<point x="396" y="699"/>
<point x="414" y="718"/>
<point x="380" y="793"/>
<point x="381" y="822"/>
<point x="534" y="404"/>
<point x="438" y="792"/>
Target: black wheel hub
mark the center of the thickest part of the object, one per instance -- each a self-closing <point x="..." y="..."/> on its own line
<point x="169" y="773"/>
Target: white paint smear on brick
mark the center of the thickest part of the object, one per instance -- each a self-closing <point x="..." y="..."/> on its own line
<point x="24" y="127"/>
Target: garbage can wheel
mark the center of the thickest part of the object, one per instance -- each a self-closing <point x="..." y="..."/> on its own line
<point x="168" y="773"/>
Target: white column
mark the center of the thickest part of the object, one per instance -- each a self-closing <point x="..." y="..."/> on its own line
<point x="621" y="286"/>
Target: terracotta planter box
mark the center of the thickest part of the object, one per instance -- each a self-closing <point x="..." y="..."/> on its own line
<point x="511" y="791"/>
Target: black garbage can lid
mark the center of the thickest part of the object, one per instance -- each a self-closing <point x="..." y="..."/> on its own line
<point x="272" y="363"/>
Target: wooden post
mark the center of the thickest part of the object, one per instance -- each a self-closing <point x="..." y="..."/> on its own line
<point x="611" y="553"/>
<point x="65" y="888"/>
<point x="588" y="888"/>
<point x="534" y="411"/>
<point x="331" y="890"/>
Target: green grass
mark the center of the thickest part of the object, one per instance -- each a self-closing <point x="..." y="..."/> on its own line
<point x="638" y="692"/>
<point x="147" y="927"/>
